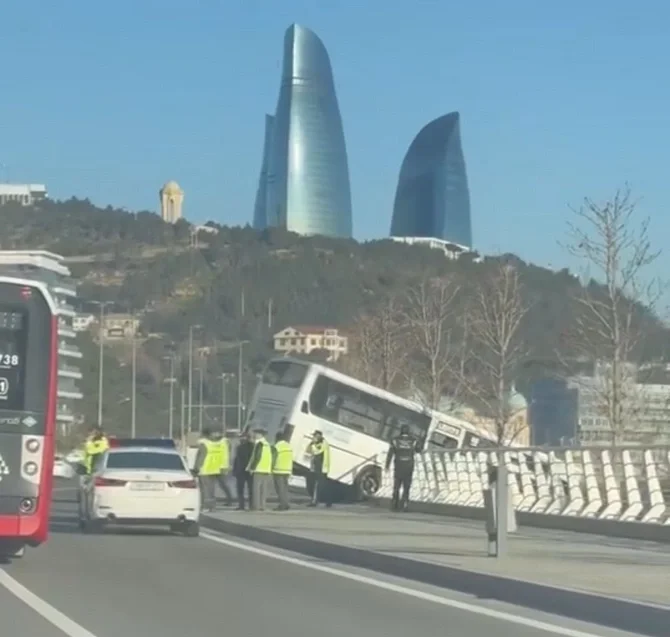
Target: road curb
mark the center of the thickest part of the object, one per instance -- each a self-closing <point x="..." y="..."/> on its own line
<point x="626" y="615"/>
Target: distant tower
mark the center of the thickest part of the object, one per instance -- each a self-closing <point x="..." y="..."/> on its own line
<point x="172" y="198"/>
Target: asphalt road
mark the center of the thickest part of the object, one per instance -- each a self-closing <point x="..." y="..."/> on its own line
<point x="152" y="584"/>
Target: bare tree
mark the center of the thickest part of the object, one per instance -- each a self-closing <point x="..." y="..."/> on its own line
<point x="495" y="314"/>
<point x="378" y="348"/>
<point x="430" y="315"/>
<point x="607" y="328"/>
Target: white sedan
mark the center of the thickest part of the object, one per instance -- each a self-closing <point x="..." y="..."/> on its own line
<point x="140" y="486"/>
<point x="63" y="469"/>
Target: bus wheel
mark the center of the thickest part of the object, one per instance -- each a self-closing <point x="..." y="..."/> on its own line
<point x="368" y="482"/>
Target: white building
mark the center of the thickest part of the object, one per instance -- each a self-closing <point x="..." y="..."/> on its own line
<point x="48" y="267"/>
<point x="645" y="406"/>
<point x="451" y="250"/>
<point x="24" y="194"/>
<point x="304" y="339"/>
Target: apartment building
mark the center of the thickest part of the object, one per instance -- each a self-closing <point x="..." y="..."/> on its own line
<point x="23" y="194"/>
<point x="304" y="339"/>
<point x="48" y="268"/>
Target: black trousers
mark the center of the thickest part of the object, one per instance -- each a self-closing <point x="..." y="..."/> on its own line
<point x="243" y="480"/>
<point x="402" y="478"/>
<point x="318" y="488"/>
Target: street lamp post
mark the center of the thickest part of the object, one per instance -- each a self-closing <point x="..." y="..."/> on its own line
<point x="224" y="380"/>
<point x="200" y="395"/>
<point x="133" y="394"/>
<point x="239" y="383"/>
<point x="190" y="374"/>
<point x="101" y="338"/>
<point x="171" y="408"/>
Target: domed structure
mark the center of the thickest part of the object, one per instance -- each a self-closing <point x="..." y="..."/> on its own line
<point x="517" y="401"/>
<point x="172" y="198"/>
<point x="171" y="188"/>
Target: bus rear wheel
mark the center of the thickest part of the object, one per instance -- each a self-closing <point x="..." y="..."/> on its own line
<point x="368" y="482"/>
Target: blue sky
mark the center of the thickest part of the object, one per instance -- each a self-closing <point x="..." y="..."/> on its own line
<point x="108" y="100"/>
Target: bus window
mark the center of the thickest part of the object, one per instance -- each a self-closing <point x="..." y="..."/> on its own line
<point x="443" y="441"/>
<point x="472" y="440"/>
<point x="397" y="416"/>
<point x="13" y="341"/>
<point x="285" y="374"/>
<point x="346" y="406"/>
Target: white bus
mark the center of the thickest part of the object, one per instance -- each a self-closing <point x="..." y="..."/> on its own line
<point x="358" y="420"/>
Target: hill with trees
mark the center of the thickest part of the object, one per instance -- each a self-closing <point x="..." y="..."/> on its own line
<point x="414" y="317"/>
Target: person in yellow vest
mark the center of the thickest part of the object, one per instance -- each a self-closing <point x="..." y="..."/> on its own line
<point x="96" y="444"/>
<point x="260" y="468"/>
<point x="209" y="463"/>
<point x="319" y="449"/>
<point x="282" y="468"/>
<point x="225" y="472"/>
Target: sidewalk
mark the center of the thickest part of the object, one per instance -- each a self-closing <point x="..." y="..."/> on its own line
<point x="612" y="567"/>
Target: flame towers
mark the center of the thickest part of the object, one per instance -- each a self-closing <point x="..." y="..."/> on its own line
<point x="432" y="198"/>
<point x="304" y="182"/>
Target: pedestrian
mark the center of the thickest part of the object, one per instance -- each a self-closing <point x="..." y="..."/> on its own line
<point x="222" y="478"/>
<point x="209" y="462"/>
<point x="319" y="450"/>
<point x="402" y="451"/>
<point x="243" y="477"/>
<point x="282" y="468"/>
<point x="260" y="468"/>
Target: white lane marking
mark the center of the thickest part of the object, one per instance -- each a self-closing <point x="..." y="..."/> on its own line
<point x="66" y="625"/>
<point x="404" y="590"/>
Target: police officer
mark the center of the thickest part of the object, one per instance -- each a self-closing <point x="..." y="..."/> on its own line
<point x="319" y="449"/>
<point x="225" y="471"/>
<point x="402" y="451"/>
<point x="209" y="464"/>
<point x="260" y="468"/>
<point x="96" y="444"/>
<point x="282" y="468"/>
<point x="242" y="477"/>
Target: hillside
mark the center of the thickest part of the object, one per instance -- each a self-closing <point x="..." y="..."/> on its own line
<point x="228" y="283"/>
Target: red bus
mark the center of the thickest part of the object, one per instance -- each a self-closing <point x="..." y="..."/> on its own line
<point x="28" y="388"/>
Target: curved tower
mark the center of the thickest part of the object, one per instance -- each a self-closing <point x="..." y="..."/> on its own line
<point x="308" y="189"/>
<point x="432" y="199"/>
<point x="260" y="212"/>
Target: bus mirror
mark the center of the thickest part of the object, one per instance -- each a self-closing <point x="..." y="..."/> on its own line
<point x="304" y="407"/>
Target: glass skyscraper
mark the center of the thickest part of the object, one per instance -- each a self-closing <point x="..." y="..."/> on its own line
<point x="260" y="207"/>
<point x="432" y="199"/>
<point x="306" y="177"/>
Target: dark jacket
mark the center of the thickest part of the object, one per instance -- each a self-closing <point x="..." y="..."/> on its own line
<point x="242" y="457"/>
<point x="403" y="449"/>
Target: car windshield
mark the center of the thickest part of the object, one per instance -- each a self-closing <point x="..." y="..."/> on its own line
<point x="145" y="460"/>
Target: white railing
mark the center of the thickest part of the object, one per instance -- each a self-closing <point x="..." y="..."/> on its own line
<point x="618" y="484"/>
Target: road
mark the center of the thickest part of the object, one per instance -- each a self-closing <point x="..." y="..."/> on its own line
<point x="152" y="584"/>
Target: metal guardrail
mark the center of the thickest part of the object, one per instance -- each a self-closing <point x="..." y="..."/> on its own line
<point x="568" y="487"/>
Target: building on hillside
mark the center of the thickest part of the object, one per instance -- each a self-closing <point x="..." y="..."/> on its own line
<point x="48" y="268"/>
<point x="451" y="250"/>
<point x="304" y="339"/>
<point x="23" y="194"/>
<point x="119" y="326"/>
<point x="172" y="200"/>
<point x="432" y="198"/>
<point x="304" y="179"/>
<point x="83" y="322"/>
<point x="574" y="410"/>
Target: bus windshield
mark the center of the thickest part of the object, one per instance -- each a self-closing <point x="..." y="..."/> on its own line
<point x="364" y="412"/>
<point x="285" y="374"/>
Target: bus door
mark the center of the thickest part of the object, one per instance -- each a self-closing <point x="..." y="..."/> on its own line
<point x="28" y="373"/>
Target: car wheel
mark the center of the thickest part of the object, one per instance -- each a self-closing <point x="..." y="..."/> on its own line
<point x="192" y="529"/>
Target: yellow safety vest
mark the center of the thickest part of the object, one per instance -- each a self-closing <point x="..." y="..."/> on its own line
<point x="283" y="459"/>
<point x="265" y="463"/>
<point x="318" y="448"/>
<point x="215" y="458"/>
<point x="93" y="448"/>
